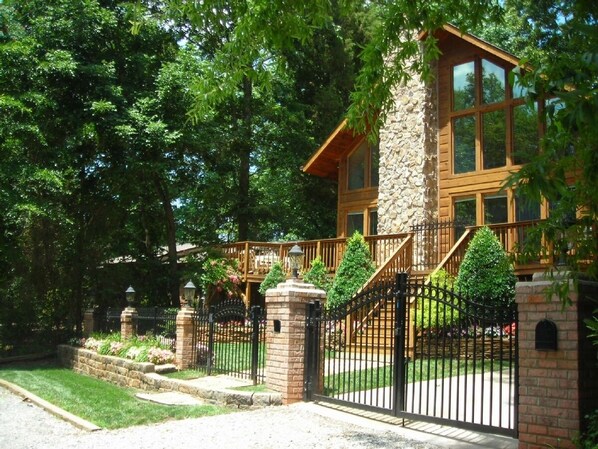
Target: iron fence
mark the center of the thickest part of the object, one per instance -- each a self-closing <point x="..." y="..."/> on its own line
<point x="157" y="321"/>
<point x="432" y="241"/>
<point x="230" y="339"/>
<point x="417" y="351"/>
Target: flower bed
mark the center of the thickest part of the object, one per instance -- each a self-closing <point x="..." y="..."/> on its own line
<point x="139" y="349"/>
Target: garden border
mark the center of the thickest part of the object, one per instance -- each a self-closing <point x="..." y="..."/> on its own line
<point x="143" y="376"/>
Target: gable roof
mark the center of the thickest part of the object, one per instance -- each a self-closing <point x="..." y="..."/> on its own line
<point x="324" y="162"/>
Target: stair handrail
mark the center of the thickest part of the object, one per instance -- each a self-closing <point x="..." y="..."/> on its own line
<point x="388" y="268"/>
<point x="454" y="256"/>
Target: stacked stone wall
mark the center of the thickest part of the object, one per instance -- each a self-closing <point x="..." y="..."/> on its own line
<point x="408" y="186"/>
<point x="142" y="376"/>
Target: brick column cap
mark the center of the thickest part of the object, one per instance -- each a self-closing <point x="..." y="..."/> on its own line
<point x="295" y="287"/>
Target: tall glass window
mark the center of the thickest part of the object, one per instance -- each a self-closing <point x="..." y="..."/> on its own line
<point x="464" y="132"/>
<point x="493" y="83"/>
<point x="494" y="150"/>
<point x="374" y="222"/>
<point x="495" y="209"/>
<point x="464" y="86"/>
<point x="525" y="133"/>
<point x="354" y="223"/>
<point x="356" y="168"/>
<point x="464" y="214"/>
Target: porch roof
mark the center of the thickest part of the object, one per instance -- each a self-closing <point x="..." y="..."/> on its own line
<point x="324" y="162"/>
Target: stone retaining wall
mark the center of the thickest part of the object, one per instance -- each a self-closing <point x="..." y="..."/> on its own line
<point x="143" y="376"/>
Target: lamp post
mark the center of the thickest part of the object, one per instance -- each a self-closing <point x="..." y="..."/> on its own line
<point x="295" y="260"/>
<point x="130" y="296"/>
<point x="189" y="293"/>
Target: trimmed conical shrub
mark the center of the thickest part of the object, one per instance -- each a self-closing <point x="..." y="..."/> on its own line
<point x="318" y="275"/>
<point x="355" y="269"/>
<point x="274" y="277"/>
<point x="486" y="274"/>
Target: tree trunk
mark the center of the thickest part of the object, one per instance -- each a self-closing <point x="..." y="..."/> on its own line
<point x="245" y="147"/>
<point x="173" y="275"/>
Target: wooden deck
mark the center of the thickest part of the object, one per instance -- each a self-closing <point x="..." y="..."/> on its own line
<point x="389" y="252"/>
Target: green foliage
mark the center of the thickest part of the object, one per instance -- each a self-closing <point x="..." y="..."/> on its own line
<point x="486" y="275"/>
<point x="592" y="325"/>
<point x="355" y="269"/>
<point x="318" y="275"/>
<point x="437" y="312"/>
<point x="221" y="278"/>
<point x="589" y="439"/>
<point x="99" y="402"/>
<point x="274" y="277"/>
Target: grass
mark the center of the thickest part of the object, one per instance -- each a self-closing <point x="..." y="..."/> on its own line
<point x="186" y="374"/>
<point x="420" y="370"/>
<point x="259" y="388"/>
<point x="99" y="402"/>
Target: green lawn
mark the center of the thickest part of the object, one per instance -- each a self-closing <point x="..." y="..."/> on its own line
<point x="99" y="402"/>
<point x="367" y="379"/>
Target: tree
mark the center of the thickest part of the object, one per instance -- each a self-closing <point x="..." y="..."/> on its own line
<point x="558" y="38"/>
<point x="355" y="269"/>
<point x="274" y="277"/>
<point x="486" y="275"/>
<point x="318" y="275"/>
<point x="87" y="156"/>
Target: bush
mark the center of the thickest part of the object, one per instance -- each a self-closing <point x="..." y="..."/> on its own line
<point x="486" y="274"/>
<point x="589" y="439"/>
<point x="139" y="349"/>
<point x="274" y="277"/>
<point x="355" y="269"/>
<point x="318" y="275"/>
<point x="221" y="279"/>
<point x="432" y="315"/>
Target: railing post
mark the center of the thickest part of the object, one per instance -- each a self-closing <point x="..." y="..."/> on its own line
<point x="246" y="262"/>
<point x="210" y="340"/>
<point x="255" y="341"/>
<point x="399" y="352"/>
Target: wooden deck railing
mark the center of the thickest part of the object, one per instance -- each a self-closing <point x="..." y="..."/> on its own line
<point x="256" y="258"/>
<point x="512" y="237"/>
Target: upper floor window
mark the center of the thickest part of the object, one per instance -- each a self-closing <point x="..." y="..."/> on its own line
<point x="491" y="126"/>
<point x="362" y="166"/>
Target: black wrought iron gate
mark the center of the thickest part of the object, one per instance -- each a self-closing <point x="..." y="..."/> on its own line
<point x="417" y="351"/>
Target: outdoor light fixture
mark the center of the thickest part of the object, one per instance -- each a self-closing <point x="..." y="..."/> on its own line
<point x="189" y="293"/>
<point x="130" y="295"/>
<point x="295" y="260"/>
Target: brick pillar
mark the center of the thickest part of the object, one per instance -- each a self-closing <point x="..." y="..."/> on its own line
<point x="89" y="322"/>
<point x="285" y="337"/>
<point x="552" y="384"/>
<point x="184" y="338"/>
<point x="128" y="322"/>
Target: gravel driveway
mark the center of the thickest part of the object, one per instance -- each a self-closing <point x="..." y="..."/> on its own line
<point x="300" y="426"/>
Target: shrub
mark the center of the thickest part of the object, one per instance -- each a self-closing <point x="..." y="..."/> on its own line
<point x="274" y="277"/>
<point x="318" y="275"/>
<point x="355" y="269"/>
<point x="221" y="279"/>
<point x="432" y="314"/>
<point x="486" y="274"/>
<point x="139" y="349"/>
<point x="589" y="439"/>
